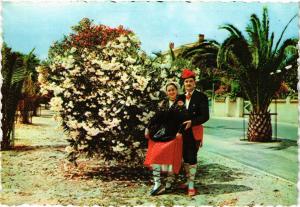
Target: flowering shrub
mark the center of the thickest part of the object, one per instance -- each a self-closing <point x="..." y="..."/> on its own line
<point x="222" y="90"/>
<point x="284" y="91"/>
<point x="104" y="89"/>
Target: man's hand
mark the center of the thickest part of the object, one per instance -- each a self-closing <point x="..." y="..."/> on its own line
<point x="199" y="144"/>
<point x="188" y="124"/>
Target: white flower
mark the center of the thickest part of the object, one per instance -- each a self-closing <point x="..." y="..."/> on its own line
<point x="93" y="132"/>
<point x="122" y="38"/>
<point x="118" y="148"/>
<point x="130" y="60"/>
<point x="141" y="84"/>
<point x="73" y="49"/>
<point x="70" y="104"/>
<point x="74" y="134"/>
<point x="124" y="78"/>
<point x="73" y="124"/>
<point x="67" y="83"/>
<point x="88" y="113"/>
<point x="288" y="67"/>
<point x="134" y="38"/>
<point x="89" y="137"/>
<point x="69" y="149"/>
<point x="56" y="104"/>
<point x="136" y="144"/>
<point x="82" y="146"/>
<point x="278" y="71"/>
<point x="56" y="89"/>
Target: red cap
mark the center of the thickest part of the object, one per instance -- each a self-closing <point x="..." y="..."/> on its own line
<point x="187" y="73"/>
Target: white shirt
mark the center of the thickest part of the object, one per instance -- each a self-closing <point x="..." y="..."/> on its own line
<point x="187" y="102"/>
<point x="170" y="103"/>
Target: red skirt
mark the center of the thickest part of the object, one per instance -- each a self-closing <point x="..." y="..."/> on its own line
<point x="165" y="153"/>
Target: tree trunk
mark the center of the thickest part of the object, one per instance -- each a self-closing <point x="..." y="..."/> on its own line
<point x="7" y="128"/>
<point x="259" y="127"/>
<point x="25" y="112"/>
<point x="36" y="105"/>
<point x="5" y="143"/>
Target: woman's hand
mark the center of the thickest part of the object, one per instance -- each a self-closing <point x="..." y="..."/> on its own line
<point x="178" y="134"/>
<point x="188" y="124"/>
<point x="147" y="133"/>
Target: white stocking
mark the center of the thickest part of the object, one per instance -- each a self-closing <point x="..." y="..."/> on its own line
<point x="156" y="175"/>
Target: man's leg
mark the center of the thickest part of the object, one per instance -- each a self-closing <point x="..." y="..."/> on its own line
<point x="170" y="177"/>
<point x="190" y="159"/>
<point x="191" y="177"/>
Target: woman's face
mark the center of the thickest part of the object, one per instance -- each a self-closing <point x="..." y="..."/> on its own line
<point x="171" y="92"/>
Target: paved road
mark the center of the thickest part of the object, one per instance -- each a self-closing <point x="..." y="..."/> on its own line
<point x="222" y="136"/>
<point x="284" y="130"/>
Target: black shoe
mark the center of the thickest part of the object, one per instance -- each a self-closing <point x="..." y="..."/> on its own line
<point x="169" y="190"/>
<point x="157" y="191"/>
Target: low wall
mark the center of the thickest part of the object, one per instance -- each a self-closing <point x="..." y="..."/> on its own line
<point x="287" y="109"/>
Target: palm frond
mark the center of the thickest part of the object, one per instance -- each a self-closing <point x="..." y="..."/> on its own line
<point x="281" y="53"/>
<point x="282" y="33"/>
<point x="232" y="29"/>
<point x="18" y="75"/>
<point x="265" y="23"/>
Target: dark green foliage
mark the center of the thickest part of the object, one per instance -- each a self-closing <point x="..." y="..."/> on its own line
<point x="19" y="75"/>
<point x="204" y="56"/>
<point x="13" y="76"/>
<point x="254" y="62"/>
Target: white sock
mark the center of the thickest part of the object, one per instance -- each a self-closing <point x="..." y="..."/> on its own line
<point x="170" y="180"/>
<point x="156" y="175"/>
<point x="192" y="174"/>
<point x="187" y="172"/>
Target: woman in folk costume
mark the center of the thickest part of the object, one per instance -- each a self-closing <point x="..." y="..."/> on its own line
<point x="197" y="105"/>
<point x="164" y="152"/>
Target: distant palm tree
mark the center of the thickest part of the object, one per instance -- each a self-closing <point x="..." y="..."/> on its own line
<point x="204" y="56"/>
<point x="259" y="66"/>
<point x="30" y="87"/>
<point x="19" y="83"/>
<point x="13" y="76"/>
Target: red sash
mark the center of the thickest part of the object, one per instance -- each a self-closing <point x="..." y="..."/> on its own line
<point x="198" y="132"/>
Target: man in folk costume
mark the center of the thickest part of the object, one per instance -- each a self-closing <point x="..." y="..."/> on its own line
<point x="197" y="106"/>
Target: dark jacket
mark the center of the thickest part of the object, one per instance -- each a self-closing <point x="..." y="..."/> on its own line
<point x="171" y="118"/>
<point x="198" y="107"/>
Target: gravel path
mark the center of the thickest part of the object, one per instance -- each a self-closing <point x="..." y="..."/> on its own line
<point x="36" y="173"/>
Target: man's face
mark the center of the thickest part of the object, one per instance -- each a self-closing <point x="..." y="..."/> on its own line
<point x="189" y="84"/>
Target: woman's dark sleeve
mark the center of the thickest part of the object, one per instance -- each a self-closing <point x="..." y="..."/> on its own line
<point x="156" y="119"/>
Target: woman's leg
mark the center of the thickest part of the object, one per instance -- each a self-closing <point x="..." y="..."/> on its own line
<point x="170" y="177"/>
<point x="158" y="187"/>
<point x="156" y="175"/>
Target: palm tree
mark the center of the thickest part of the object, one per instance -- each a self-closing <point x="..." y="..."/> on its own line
<point x="30" y="87"/>
<point x="13" y="76"/>
<point x="204" y="56"/>
<point x="259" y="66"/>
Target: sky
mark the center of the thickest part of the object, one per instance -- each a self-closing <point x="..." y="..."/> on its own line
<point x="28" y="25"/>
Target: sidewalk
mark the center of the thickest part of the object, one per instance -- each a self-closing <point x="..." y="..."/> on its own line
<point x="36" y="173"/>
<point x="247" y="118"/>
<point x="277" y="158"/>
